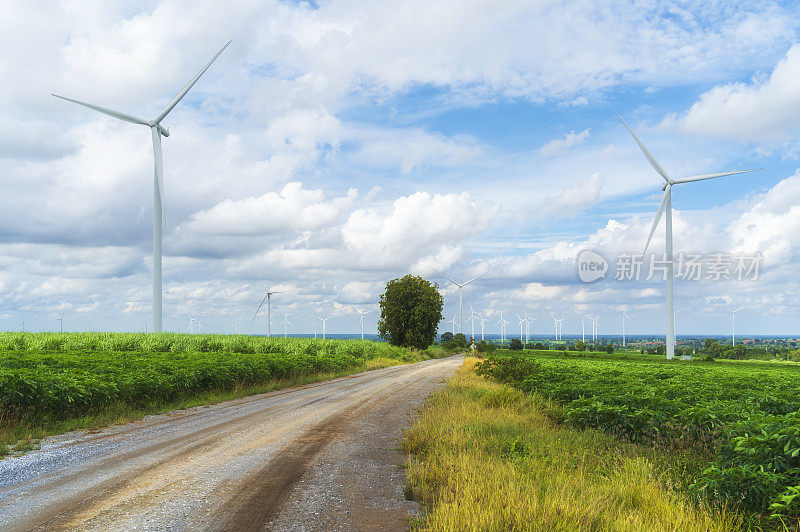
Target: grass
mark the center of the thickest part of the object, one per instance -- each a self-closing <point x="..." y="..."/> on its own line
<point x="21" y="435"/>
<point x="487" y="457"/>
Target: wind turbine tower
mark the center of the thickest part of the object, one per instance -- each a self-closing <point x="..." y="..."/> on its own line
<point x="324" y="321"/>
<point x="623" y="317"/>
<point x="460" y="295"/>
<point x="285" y="323"/>
<point x="733" y="325"/>
<point x="362" y="313"/>
<point x="268" y="299"/>
<point x="666" y="206"/>
<point x="156" y="130"/>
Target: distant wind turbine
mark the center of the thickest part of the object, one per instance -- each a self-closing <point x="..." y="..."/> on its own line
<point x="23" y="322"/>
<point x="623" y="317"/>
<point x="191" y="323"/>
<point x="362" y="313"/>
<point x="521" y="326"/>
<point x="61" y="319"/>
<point x="159" y="220"/>
<point x="285" y="323"/>
<point x="324" y="321"/>
<point x="733" y="325"/>
<point x="268" y="299"/>
<point x="502" y="324"/>
<point x="460" y="295"/>
<point x="666" y="205"/>
<point x="454" y="322"/>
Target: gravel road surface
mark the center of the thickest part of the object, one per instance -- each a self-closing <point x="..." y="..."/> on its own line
<point x="318" y="457"/>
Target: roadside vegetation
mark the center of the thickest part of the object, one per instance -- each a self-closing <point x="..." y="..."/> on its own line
<point x="736" y="422"/>
<point x="56" y="382"/>
<point x="486" y="456"/>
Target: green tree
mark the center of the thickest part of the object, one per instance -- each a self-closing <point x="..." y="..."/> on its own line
<point x="447" y="337"/>
<point x="411" y="309"/>
<point x="609" y="348"/>
<point x="580" y="345"/>
<point x="515" y="344"/>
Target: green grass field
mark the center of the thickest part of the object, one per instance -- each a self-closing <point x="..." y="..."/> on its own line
<point x="737" y="423"/>
<point x="485" y="456"/>
<point x="53" y="382"/>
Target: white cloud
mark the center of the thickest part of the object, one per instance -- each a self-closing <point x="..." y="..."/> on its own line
<point x="559" y="146"/>
<point x="762" y="111"/>
<point x="292" y="209"/>
<point x="572" y="201"/>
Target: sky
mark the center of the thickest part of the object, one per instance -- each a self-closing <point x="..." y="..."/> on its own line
<point x="336" y="145"/>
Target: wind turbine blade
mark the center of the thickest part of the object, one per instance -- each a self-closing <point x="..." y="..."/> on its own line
<point x="446" y="277"/>
<point x="702" y="177"/>
<point x="107" y="111"/>
<point x="159" y="172"/>
<point x="647" y="154"/>
<point x="738" y="309"/>
<point x="259" y="307"/>
<point x="657" y="219"/>
<point x="476" y="277"/>
<point x="188" y="86"/>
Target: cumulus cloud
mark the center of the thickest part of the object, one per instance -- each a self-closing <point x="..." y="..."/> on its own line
<point x="771" y="225"/>
<point x="559" y="146"/>
<point x="763" y="110"/>
<point x="292" y="209"/>
<point x="572" y="201"/>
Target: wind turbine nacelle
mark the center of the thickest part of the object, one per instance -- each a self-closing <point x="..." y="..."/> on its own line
<point x="163" y="130"/>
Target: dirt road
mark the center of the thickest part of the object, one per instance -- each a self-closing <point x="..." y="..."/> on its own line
<point x="317" y="457"/>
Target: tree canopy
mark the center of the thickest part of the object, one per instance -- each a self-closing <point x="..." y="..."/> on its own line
<point x="411" y="309"/>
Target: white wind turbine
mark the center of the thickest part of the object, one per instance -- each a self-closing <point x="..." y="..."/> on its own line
<point x="666" y="205"/>
<point x="61" y="319"/>
<point x="472" y="318"/>
<point x="502" y="324"/>
<point x="454" y="322"/>
<point x="324" y="322"/>
<point x="191" y="323"/>
<point x="594" y="326"/>
<point x="560" y="323"/>
<point x="268" y="299"/>
<point x="556" y="322"/>
<point x="460" y="295"/>
<point x="285" y="323"/>
<point x="733" y="325"/>
<point x="623" y="317"/>
<point x="362" y="313"/>
<point x="482" y="321"/>
<point x="156" y="130"/>
<point x="528" y="321"/>
<point x="23" y="322"/>
<point x="521" y="324"/>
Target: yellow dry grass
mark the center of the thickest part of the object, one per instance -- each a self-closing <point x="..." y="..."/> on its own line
<point x="487" y="457"/>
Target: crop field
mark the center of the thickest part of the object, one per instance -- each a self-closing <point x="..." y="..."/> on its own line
<point x="739" y="420"/>
<point x="60" y="375"/>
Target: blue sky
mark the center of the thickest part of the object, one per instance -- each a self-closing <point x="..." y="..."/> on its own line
<point x="337" y="145"/>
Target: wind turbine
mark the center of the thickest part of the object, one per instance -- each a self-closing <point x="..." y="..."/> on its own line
<point x="560" y="324"/>
<point x="502" y="322"/>
<point x="666" y="205"/>
<point x="594" y="326"/>
<point x="733" y="325"/>
<point x="482" y="320"/>
<point x="362" y="313"/>
<point x="472" y="319"/>
<point x="315" y="325"/>
<point x="268" y="299"/>
<point x="323" y="320"/>
<point x="460" y="298"/>
<point x="528" y="321"/>
<point x="23" y="322"/>
<point x="454" y="322"/>
<point x="191" y="323"/>
<point x="159" y="219"/>
<point x="623" y="317"/>
<point x="61" y="319"/>
<point x="555" y="324"/>
<point x="285" y="322"/>
<point x="521" y="322"/>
